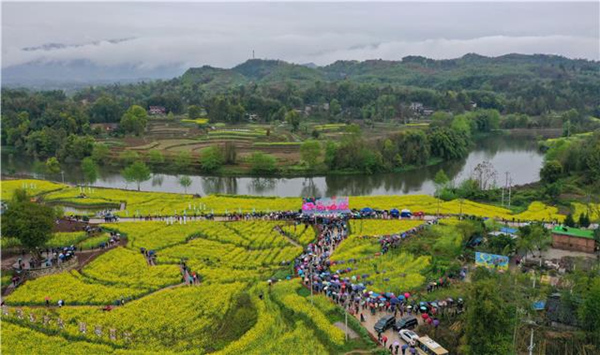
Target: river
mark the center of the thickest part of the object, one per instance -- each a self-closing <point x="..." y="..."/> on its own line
<point x="517" y="155"/>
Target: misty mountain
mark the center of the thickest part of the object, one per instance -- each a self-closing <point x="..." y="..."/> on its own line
<point x="471" y="72"/>
<point x="79" y="73"/>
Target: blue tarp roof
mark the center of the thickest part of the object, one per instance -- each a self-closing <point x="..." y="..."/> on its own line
<point x="508" y="230"/>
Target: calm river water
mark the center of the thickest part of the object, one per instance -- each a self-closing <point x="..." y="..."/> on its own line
<point x="517" y="155"/>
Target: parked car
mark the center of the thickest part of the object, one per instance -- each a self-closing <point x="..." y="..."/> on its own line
<point x="408" y="336"/>
<point x="384" y="323"/>
<point x="406" y="323"/>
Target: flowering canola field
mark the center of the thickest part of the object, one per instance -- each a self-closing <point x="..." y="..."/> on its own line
<point x="161" y="314"/>
<point x="159" y="203"/>
<point x="224" y="313"/>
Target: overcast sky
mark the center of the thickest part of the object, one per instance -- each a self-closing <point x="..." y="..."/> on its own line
<point x="224" y="34"/>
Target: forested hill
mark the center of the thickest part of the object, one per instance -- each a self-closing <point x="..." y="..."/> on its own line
<point x="470" y="72"/>
<point x="534" y="85"/>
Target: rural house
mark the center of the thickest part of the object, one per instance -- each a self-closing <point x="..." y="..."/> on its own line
<point x="105" y="127"/>
<point x="158" y="110"/>
<point x="575" y="239"/>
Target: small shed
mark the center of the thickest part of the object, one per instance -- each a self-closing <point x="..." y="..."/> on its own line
<point x="157" y="110"/>
<point x="106" y="127"/>
<point x="574" y="239"/>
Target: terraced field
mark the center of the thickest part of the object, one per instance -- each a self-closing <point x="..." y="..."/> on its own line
<point x="233" y="261"/>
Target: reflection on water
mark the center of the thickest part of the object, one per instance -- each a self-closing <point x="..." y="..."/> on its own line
<point x="519" y="156"/>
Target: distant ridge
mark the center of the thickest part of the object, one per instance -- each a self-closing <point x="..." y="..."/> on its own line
<point x="474" y="69"/>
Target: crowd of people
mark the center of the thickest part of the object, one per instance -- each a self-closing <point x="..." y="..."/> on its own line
<point x="50" y="257"/>
<point x="315" y="268"/>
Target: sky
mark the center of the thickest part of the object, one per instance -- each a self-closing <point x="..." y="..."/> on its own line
<point x="150" y="35"/>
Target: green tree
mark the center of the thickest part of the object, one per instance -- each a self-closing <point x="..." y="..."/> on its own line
<point x="540" y="237"/>
<point x="211" y="159"/>
<point x="554" y="190"/>
<point x="335" y="108"/>
<point x="533" y="237"/>
<point x="584" y="220"/>
<point x="486" y="120"/>
<point x="185" y="181"/>
<point x="137" y="172"/>
<point x="489" y="319"/>
<point x="461" y="125"/>
<point x="551" y="171"/>
<point x="182" y="161"/>
<point x="441" y="179"/>
<point x="569" y="221"/>
<point x="262" y="163"/>
<point x="128" y="157"/>
<point x="194" y="112"/>
<point x="77" y="147"/>
<point x="447" y="143"/>
<point x="230" y="153"/>
<point x="90" y="170"/>
<point x="52" y="166"/>
<point x="30" y="223"/>
<point x="155" y="157"/>
<point x="105" y="109"/>
<point x="134" y="120"/>
<point x="310" y="152"/>
<point x="100" y="153"/>
<point x="330" y="154"/>
<point x="293" y="118"/>
<point x="389" y="152"/>
<point x="589" y="312"/>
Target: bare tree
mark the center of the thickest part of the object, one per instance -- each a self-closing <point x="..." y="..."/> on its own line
<point x="485" y="174"/>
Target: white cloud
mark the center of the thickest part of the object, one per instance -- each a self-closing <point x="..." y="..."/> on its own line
<point x="192" y="34"/>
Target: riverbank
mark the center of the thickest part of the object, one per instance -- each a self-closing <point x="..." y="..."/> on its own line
<point x="520" y="157"/>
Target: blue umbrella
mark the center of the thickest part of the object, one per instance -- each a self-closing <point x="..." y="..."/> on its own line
<point x="401" y="297"/>
<point x="367" y="210"/>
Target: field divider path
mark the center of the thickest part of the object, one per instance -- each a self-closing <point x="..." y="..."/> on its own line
<point x="293" y="242"/>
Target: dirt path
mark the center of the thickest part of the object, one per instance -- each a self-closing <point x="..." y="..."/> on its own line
<point x="293" y="242"/>
<point x="90" y="255"/>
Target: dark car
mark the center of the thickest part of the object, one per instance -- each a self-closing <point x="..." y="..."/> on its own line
<point x="384" y="323"/>
<point x="406" y="323"/>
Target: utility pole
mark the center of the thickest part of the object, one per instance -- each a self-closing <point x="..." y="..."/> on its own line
<point x="509" y="190"/>
<point x="253" y="54"/>
<point x="505" y="187"/>
<point x="62" y="172"/>
<point x="346" y="315"/>
<point x="312" y="301"/>
<point x="531" y="344"/>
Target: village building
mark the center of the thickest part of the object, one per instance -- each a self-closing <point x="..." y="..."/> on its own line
<point x="157" y="110"/>
<point x="105" y="127"/>
<point x="573" y="239"/>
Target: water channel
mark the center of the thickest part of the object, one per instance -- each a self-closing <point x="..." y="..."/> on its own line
<point x="517" y="155"/>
